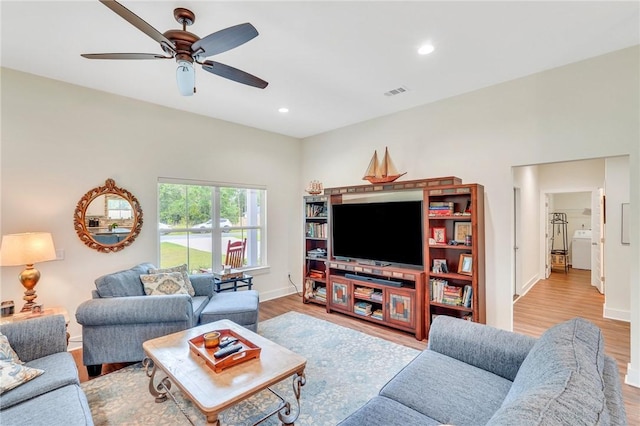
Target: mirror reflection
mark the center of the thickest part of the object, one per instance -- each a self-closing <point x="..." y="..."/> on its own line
<point x="108" y="218"/>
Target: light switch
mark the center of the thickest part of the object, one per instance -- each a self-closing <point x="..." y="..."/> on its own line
<point x="59" y="254"/>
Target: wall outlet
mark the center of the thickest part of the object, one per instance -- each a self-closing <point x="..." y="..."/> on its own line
<point x="59" y="254"/>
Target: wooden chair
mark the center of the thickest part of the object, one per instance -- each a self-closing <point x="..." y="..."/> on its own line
<point x="235" y="253"/>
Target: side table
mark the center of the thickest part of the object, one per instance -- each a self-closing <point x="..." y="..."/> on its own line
<point x="234" y="283"/>
<point x="23" y="316"/>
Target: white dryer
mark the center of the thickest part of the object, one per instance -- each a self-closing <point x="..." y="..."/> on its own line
<point x="581" y="249"/>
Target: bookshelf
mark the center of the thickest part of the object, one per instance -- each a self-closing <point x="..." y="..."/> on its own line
<point x="316" y="209"/>
<point x="454" y="260"/>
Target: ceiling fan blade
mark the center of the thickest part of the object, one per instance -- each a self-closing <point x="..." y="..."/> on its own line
<point x="124" y="56"/>
<point x="226" y="39"/>
<point x="138" y="22"/>
<point x="234" y="74"/>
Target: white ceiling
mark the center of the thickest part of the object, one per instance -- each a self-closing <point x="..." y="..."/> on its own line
<point x="329" y="62"/>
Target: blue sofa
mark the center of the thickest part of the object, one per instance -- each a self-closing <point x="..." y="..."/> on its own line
<point x="54" y="397"/>
<point x="473" y="374"/>
<point x="120" y="317"/>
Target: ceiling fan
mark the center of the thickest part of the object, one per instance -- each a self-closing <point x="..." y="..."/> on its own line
<point x="188" y="48"/>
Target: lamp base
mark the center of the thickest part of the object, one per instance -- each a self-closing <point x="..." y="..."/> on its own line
<point x="29" y="278"/>
<point x="27" y="307"/>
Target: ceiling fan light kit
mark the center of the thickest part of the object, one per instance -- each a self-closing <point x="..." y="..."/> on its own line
<point x="187" y="48"/>
<point x="186" y="78"/>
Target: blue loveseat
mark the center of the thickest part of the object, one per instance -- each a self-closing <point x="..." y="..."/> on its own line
<point x="120" y="316"/>
<point x="473" y="374"/>
<point x="54" y="397"/>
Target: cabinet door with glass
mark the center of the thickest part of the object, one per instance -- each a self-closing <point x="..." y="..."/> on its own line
<point x="340" y="294"/>
<point x="400" y="307"/>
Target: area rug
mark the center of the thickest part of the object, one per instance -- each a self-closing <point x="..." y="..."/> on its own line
<point x="344" y="369"/>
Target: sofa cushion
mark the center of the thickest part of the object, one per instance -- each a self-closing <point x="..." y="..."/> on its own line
<point x="560" y="381"/>
<point x="123" y="283"/>
<point x="64" y="406"/>
<point x="381" y="411"/>
<point x="440" y="387"/>
<point x="6" y="351"/>
<point x="240" y="307"/>
<point x="13" y="375"/>
<point x="185" y="275"/>
<point x="198" y="303"/>
<point x="59" y="370"/>
<point x="163" y="284"/>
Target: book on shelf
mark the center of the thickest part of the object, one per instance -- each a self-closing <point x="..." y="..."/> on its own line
<point x="467" y="295"/>
<point x="316" y="210"/>
<point x="442" y="292"/>
<point x="377" y="314"/>
<point x="320" y="293"/>
<point x="317" y="230"/>
<point x="363" y="292"/>
<point x="441" y="208"/>
<point x="362" y="308"/>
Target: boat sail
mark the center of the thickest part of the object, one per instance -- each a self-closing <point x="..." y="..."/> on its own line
<point x="382" y="172"/>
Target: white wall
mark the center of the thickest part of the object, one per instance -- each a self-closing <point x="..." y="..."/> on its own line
<point x="617" y="256"/>
<point x="60" y="140"/>
<point x="584" y="110"/>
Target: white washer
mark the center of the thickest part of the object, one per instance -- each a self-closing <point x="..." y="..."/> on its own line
<point x="581" y="249"/>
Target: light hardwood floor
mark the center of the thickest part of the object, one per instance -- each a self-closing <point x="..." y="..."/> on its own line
<point x="551" y="301"/>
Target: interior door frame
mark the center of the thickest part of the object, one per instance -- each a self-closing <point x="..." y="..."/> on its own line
<point x="598" y="240"/>
<point x="517" y="235"/>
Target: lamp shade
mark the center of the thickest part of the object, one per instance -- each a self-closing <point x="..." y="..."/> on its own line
<point x="186" y="78"/>
<point x="27" y="248"/>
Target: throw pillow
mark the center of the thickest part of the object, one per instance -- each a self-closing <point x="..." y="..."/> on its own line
<point x="185" y="275"/>
<point x="13" y="375"/>
<point x="164" y="283"/>
<point x="6" y="351"/>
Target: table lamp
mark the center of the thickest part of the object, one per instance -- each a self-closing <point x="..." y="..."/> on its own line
<point x="26" y="249"/>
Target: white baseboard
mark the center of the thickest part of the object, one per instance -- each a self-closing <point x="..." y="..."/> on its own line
<point x="529" y="285"/>
<point x="616" y="314"/>
<point x="75" y="342"/>
<point x="632" y="378"/>
<point x="274" y="294"/>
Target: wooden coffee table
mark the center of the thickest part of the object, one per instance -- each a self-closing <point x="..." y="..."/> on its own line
<point x="170" y="361"/>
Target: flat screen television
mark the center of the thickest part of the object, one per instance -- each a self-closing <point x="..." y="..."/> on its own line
<point x="386" y="233"/>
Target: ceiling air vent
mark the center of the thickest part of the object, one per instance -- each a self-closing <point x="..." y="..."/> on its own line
<point x="397" y="91"/>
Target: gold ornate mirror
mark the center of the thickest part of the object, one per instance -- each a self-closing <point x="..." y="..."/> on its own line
<point x="108" y="218"/>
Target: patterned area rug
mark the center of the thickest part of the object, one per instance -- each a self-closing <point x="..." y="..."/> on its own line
<point x="344" y="369"/>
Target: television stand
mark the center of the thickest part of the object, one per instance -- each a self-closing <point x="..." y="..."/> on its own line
<point x="385" y="295"/>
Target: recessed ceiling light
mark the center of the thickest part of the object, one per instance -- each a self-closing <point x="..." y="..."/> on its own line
<point x="425" y="49"/>
<point x="283" y="110"/>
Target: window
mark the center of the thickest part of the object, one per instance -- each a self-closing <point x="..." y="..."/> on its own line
<point x="197" y="221"/>
<point x="118" y="208"/>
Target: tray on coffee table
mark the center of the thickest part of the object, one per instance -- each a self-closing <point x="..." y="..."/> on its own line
<point x="249" y="351"/>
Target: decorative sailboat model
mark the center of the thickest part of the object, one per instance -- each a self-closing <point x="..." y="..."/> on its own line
<point x="382" y="172"/>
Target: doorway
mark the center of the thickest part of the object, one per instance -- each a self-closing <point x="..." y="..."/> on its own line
<point x="583" y="229"/>
<point x="533" y="202"/>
